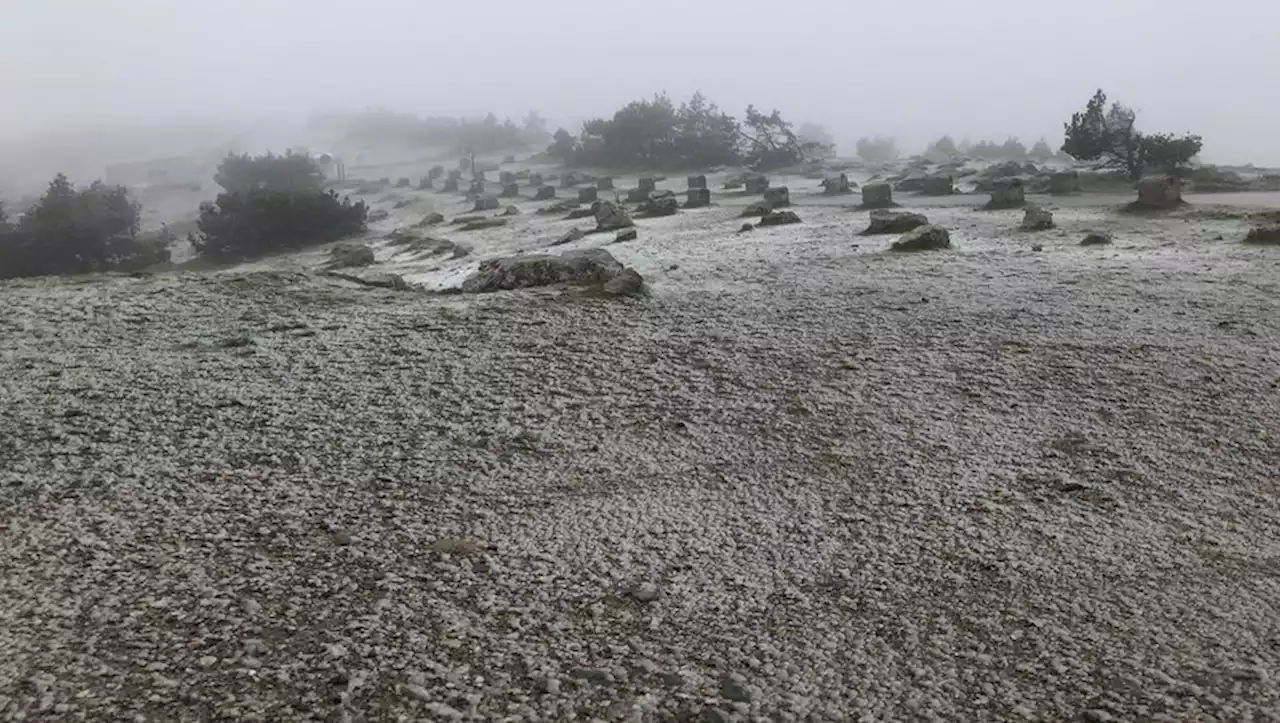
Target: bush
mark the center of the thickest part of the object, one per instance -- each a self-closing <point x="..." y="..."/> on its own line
<point x="70" y="231"/>
<point x="259" y="221"/>
<point x="880" y="149"/>
<point x="1108" y="134"/>
<point x="289" y="172"/>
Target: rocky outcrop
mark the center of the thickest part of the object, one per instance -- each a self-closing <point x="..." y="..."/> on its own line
<point x="1007" y="193"/>
<point x="647" y="185"/>
<point x="604" y="184"/>
<point x="941" y="185"/>
<point x="347" y="255"/>
<point x="431" y="219"/>
<point x="779" y="218"/>
<point x="756" y="209"/>
<point x="836" y="185"/>
<point x="1096" y="238"/>
<point x="696" y="182"/>
<point x="587" y="267"/>
<point x="877" y="195"/>
<point x="886" y="222"/>
<point x="573" y="234"/>
<point x="778" y="197"/>
<point x="756" y="184"/>
<point x="588" y="195"/>
<point x="1037" y="219"/>
<point x="486" y="203"/>
<point x="924" y="238"/>
<point x="697" y="198"/>
<point x="656" y="206"/>
<point x="1263" y="236"/>
<point x="1159" y="193"/>
<point x="626" y="234"/>
<point x="611" y="217"/>
<point x="544" y="193"/>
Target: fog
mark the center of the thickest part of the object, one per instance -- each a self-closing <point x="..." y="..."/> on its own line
<point x="984" y="70"/>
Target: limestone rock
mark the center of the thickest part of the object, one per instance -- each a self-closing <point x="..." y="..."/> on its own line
<point x="696" y="182"/>
<point x="697" y="198"/>
<point x="877" y="195"/>
<point x="588" y="195"/>
<point x="486" y="203"/>
<point x="1037" y="219"/>
<point x="345" y="256"/>
<point x="592" y="266"/>
<point x="778" y="197"/>
<point x="885" y="222"/>
<point x="923" y="238"/>
<point x="610" y="217"/>
<point x="1096" y="238"/>
<point x="1007" y="193"/>
<point x="1159" y="192"/>
<point x="779" y="218"/>
<point x="544" y="193"/>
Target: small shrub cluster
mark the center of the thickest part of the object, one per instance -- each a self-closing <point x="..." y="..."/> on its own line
<point x="260" y="221"/>
<point x="75" y="231"/>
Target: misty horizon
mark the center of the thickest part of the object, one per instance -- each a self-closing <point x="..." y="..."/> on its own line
<point x="987" y="72"/>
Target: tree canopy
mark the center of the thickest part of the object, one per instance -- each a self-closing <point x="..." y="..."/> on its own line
<point x="1108" y="134"/>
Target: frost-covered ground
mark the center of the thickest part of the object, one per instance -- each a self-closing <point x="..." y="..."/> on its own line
<point x="804" y="480"/>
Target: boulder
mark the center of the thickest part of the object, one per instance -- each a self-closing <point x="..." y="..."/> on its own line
<point x="347" y="255"/>
<point x="756" y="209"/>
<point x="733" y="184"/>
<point x="511" y="211"/>
<point x="590" y="266"/>
<point x="885" y="222"/>
<point x="535" y="180"/>
<point x="836" y="185"/>
<point x="611" y="217"/>
<point x="756" y="184"/>
<point x="746" y="227"/>
<point x="777" y="197"/>
<point x="627" y="283"/>
<point x="877" y="195"/>
<point x="573" y="234"/>
<point x="486" y="203"/>
<point x="578" y="213"/>
<point x="376" y="279"/>
<point x="563" y="206"/>
<point x="431" y="219"/>
<point x="697" y="198"/>
<point x="1263" y="236"/>
<point x="1037" y="219"/>
<point x="1007" y="193"/>
<point x="779" y="218"/>
<point x="544" y="193"/>
<point x="483" y="223"/>
<point x="1159" y="192"/>
<point x="638" y="195"/>
<point x="696" y="182"/>
<point x="604" y="184"/>
<point x="587" y="195"/>
<point x="571" y="179"/>
<point x="923" y="238"/>
<point x="665" y="205"/>
<point x="626" y="234"/>
<point x="510" y="190"/>
<point x="450" y="186"/>
<point x="647" y="184"/>
<point x="941" y="185"/>
<point x="912" y="182"/>
<point x="1096" y="238"/>
<point x="1063" y="183"/>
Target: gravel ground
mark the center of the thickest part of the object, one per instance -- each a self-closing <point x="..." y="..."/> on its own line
<point x="804" y="480"/>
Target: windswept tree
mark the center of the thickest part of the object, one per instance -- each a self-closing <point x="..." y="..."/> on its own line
<point x="1108" y="135"/>
<point x="289" y="172"/>
<point x="880" y="149"/>
<point x="942" y="149"/>
<point x="563" y="145"/>
<point x="1040" y="151"/>
<point x="819" y="137"/>
<point x="768" y="142"/>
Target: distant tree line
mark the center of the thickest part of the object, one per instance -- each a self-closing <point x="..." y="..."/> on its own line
<point x="657" y="134"/>
<point x="1108" y="135"/>
<point x="481" y="135"/>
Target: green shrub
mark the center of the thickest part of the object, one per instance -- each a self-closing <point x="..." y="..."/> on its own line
<point x="70" y="231"/>
<point x="290" y="172"/>
<point x="261" y="221"/>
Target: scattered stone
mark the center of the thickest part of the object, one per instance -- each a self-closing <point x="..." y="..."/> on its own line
<point x="416" y="691"/>
<point x="379" y="280"/>
<point x="574" y="234"/>
<point x="1159" y="193"/>
<point x="1263" y="236"/>
<point x="647" y="185"/>
<point x="571" y="179"/>
<point x="696" y="183"/>
<point x="1036" y="218"/>
<point x="431" y="219"/>
<point x="510" y="190"/>
<point x="877" y="195"/>
<point x="757" y="184"/>
<point x="506" y="178"/>
<point x="377" y="215"/>
<point x="348" y="255"/>
<point x="486" y="203"/>
<point x="511" y="211"/>
<point x="483" y="223"/>
<point x="1007" y="193"/>
<point x="1096" y="238"/>
<point x="627" y="283"/>
<point x="578" y="213"/>
<point x="660" y="206"/>
<point x="627" y="234"/>
<point x="836" y="185"/>
<point x="638" y="195"/>
<point x="588" y="195"/>
<point x="645" y="592"/>
<point x="559" y="207"/>
<point x="456" y="545"/>
<point x="1064" y="183"/>
<point x="746" y="227"/>
<point x="544" y="193"/>
<point x="599" y="676"/>
<point x="610" y="217"/>
<point x="733" y="184"/>
<point x="697" y="198"/>
<point x="1037" y="247"/>
<point x="886" y="222"/>
<point x="756" y="209"/>
<point x="734" y="687"/>
<point x="923" y="238"/>
<point x="778" y="197"/>
<point x="604" y="184"/>
<point x="403" y="182"/>
<point x="779" y="218"/>
<point x="941" y="185"/>
<point x="591" y="266"/>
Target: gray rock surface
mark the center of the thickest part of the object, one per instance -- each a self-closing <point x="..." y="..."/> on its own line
<point x="591" y="266"/>
<point x="887" y="222"/>
<point x="1037" y="218"/>
<point x="923" y="238"/>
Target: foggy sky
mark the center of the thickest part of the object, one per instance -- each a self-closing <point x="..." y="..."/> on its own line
<point x="985" y="69"/>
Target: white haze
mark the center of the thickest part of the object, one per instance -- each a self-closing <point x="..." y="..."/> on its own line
<point x="983" y="70"/>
